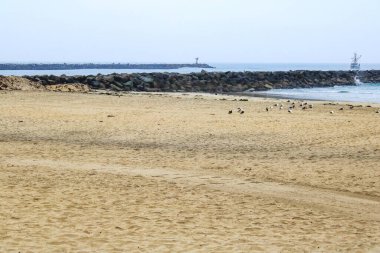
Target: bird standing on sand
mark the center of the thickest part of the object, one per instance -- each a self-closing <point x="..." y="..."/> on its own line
<point x="290" y="110"/>
<point x="230" y="112"/>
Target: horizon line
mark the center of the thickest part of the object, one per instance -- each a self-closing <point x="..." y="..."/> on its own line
<point x="200" y="63"/>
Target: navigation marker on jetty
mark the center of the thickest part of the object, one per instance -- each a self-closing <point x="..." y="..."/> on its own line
<point x="197" y="61"/>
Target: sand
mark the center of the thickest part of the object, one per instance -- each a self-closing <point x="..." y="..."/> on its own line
<point x="177" y="173"/>
<point x="12" y="83"/>
<point x="18" y="83"/>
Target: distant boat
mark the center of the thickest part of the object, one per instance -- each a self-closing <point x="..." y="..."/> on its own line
<point x="355" y="65"/>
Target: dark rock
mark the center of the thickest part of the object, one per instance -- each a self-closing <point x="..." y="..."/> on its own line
<point x="212" y="82"/>
<point x="146" y="79"/>
<point x="114" y="87"/>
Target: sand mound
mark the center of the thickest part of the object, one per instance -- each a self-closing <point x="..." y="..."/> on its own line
<point x="72" y="87"/>
<point x="18" y="83"/>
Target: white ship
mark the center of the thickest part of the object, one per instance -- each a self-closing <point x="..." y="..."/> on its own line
<point x="355" y="65"/>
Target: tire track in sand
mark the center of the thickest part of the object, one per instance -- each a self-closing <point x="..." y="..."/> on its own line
<point x="361" y="207"/>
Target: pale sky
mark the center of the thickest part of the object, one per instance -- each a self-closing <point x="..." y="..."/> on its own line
<point x="217" y="31"/>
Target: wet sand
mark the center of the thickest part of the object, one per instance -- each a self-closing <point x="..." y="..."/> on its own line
<point x="177" y="173"/>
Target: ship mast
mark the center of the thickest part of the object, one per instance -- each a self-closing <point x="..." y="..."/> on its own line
<point x="356" y="58"/>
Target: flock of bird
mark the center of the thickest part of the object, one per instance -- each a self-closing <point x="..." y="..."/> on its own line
<point x="303" y="105"/>
<point x="239" y="110"/>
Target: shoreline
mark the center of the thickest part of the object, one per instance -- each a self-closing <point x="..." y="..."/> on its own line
<point x="305" y="98"/>
<point x="238" y="96"/>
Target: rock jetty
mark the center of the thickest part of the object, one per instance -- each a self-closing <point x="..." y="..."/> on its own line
<point x="65" y="66"/>
<point x="220" y="82"/>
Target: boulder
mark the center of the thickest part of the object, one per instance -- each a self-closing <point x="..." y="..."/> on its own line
<point x="115" y="88"/>
<point x="146" y="79"/>
<point x="264" y="87"/>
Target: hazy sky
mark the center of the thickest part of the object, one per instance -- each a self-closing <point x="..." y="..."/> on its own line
<point x="267" y="31"/>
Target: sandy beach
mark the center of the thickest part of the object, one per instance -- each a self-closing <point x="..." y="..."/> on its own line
<point x="165" y="172"/>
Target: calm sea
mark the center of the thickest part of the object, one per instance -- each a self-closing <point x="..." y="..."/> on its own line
<point x="359" y="93"/>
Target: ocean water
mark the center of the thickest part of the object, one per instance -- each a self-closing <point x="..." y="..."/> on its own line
<point x="287" y="66"/>
<point x="369" y="93"/>
<point x="360" y="93"/>
<point x="219" y="67"/>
